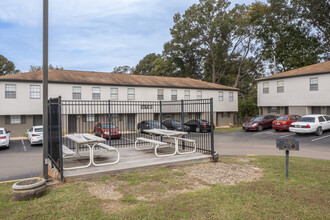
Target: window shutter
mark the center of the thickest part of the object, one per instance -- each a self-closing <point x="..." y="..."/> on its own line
<point x="23" y="119"/>
<point x="7" y="119"/>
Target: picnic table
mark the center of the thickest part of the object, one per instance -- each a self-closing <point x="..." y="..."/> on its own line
<point x="89" y="141"/>
<point x="175" y="135"/>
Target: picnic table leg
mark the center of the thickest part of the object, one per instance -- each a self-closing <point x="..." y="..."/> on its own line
<point x="79" y="167"/>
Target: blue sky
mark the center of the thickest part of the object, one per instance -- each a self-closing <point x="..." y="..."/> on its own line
<point x="91" y="35"/>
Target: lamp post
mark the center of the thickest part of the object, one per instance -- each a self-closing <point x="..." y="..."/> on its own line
<point x="45" y="89"/>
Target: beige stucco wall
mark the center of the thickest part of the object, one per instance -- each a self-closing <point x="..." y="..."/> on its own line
<point x="296" y="92"/>
<point x="17" y="130"/>
<point x="22" y="104"/>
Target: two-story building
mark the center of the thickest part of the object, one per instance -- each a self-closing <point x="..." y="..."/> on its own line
<point x="300" y="91"/>
<point x="21" y="94"/>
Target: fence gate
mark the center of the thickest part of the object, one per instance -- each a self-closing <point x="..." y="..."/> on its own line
<point x="55" y="134"/>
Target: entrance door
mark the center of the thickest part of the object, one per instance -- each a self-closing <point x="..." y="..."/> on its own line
<point x="131" y="121"/>
<point x="37" y="120"/>
<point x="72" y="123"/>
<point x="316" y="110"/>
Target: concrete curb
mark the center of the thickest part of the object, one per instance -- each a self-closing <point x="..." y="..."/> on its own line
<point x="18" y="138"/>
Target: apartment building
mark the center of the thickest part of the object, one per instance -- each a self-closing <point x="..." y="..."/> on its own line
<point x="21" y="94"/>
<point x="300" y="91"/>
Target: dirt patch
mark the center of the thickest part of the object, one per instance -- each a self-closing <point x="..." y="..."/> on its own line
<point x="105" y="190"/>
<point x="195" y="177"/>
<point x="220" y="173"/>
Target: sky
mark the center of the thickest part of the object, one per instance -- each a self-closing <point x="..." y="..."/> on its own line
<point x="89" y="35"/>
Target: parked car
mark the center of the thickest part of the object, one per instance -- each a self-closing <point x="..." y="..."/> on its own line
<point x="4" y="138"/>
<point x="143" y="125"/>
<point x="311" y="124"/>
<point x="35" y="135"/>
<point x="175" y="125"/>
<point x="199" y="125"/>
<point x="259" y="123"/>
<point x="284" y="122"/>
<point x="102" y="130"/>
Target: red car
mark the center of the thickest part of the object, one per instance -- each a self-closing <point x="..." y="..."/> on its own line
<point x="284" y="122"/>
<point x="259" y="123"/>
<point x="102" y="130"/>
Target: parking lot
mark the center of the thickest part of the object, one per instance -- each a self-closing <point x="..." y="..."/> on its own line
<point x="23" y="160"/>
<point x="264" y="143"/>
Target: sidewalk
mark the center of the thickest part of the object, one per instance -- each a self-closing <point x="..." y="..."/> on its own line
<point x="18" y="138"/>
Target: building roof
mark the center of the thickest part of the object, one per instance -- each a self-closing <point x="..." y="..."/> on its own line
<point x="113" y="79"/>
<point x="319" y="68"/>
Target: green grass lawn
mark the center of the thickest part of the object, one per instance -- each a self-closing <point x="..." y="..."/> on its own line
<point x="305" y="195"/>
<point x="231" y="129"/>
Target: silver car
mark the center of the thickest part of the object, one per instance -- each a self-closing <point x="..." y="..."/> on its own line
<point x="4" y="138"/>
<point x="35" y="135"/>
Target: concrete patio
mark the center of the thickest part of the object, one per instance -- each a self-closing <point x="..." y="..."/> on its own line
<point x="130" y="161"/>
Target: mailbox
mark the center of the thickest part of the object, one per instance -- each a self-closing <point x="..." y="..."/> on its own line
<point x="287" y="144"/>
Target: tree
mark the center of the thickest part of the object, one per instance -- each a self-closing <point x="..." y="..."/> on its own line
<point x="155" y="65"/>
<point x="316" y="14"/>
<point x="7" y="67"/>
<point x="34" y="68"/>
<point x="123" y="69"/>
<point x="285" y="36"/>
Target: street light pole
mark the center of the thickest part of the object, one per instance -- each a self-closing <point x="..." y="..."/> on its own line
<point x="45" y="89"/>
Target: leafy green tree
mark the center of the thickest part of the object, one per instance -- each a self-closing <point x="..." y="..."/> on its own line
<point x="123" y="69"/>
<point x="284" y="35"/>
<point x="34" y="68"/>
<point x="316" y="14"/>
<point x="156" y="65"/>
<point x="6" y="66"/>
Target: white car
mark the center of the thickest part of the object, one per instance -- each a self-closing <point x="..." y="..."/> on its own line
<point x="35" y="135"/>
<point x="4" y="138"/>
<point x="311" y="124"/>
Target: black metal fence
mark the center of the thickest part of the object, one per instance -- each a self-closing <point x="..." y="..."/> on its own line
<point x="121" y="122"/>
<point x="55" y="134"/>
<point x="128" y="120"/>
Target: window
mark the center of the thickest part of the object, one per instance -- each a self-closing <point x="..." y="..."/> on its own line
<point x="274" y="109"/>
<point x="220" y="96"/>
<point x="280" y="86"/>
<point x="313" y="84"/>
<point x="76" y="92"/>
<point x="199" y="94"/>
<point x="34" y="92"/>
<point x="186" y="94"/>
<point x="265" y="89"/>
<point x="96" y="93"/>
<point x="228" y="114"/>
<point x="160" y="94"/>
<point x="114" y="94"/>
<point x="174" y="95"/>
<point x="90" y="118"/>
<point x="321" y="119"/>
<point x="10" y="91"/>
<point x="15" y="119"/>
<point x="231" y="96"/>
<point x="130" y="94"/>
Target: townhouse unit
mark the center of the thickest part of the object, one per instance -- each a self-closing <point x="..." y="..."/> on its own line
<point x="21" y="95"/>
<point x="300" y="91"/>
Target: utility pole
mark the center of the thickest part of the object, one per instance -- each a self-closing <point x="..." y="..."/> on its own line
<point x="45" y="89"/>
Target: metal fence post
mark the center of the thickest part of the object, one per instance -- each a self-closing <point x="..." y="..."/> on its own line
<point x="160" y="117"/>
<point x="109" y="122"/>
<point x="182" y="120"/>
<point x="60" y="136"/>
<point x="212" y="128"/>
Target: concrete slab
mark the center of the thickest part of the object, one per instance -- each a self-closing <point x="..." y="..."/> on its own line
<point x="131" y="160"/>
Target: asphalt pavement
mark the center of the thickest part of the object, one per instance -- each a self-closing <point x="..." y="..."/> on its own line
<point x="24" y="161"/>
